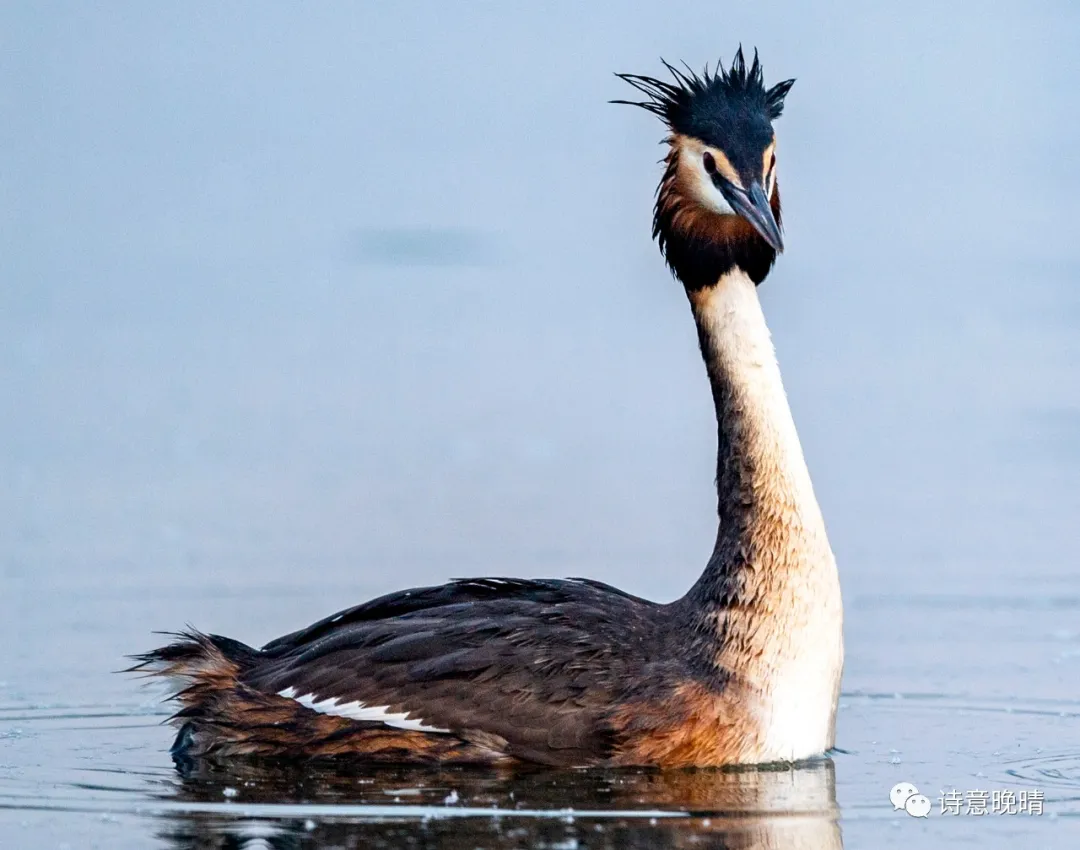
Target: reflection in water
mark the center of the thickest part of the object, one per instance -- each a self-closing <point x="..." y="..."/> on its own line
<point x="402" y="807"/>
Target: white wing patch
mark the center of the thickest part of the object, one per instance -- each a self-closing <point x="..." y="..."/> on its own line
<point x="357" y="710"/>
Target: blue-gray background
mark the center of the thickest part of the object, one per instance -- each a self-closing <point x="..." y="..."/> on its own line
<point x="302" y="303"/>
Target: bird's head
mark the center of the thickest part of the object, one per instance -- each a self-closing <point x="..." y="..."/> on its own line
<point x="718" y="205"/>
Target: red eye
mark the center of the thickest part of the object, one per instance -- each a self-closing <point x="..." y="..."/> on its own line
<point x="709" y="163"/>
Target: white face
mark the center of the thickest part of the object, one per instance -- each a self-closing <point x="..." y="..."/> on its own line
<point x="695" y="159"/>
<point x="698" y="180"/>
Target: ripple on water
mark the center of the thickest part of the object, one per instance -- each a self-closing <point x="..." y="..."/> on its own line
<point x="1055" y="770"/>
<point x="964" y="703"/>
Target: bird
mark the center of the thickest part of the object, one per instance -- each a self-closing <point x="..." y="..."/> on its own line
<point x="744" y="669"/>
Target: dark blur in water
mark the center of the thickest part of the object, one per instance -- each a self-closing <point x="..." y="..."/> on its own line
<point x="303" y="304"/>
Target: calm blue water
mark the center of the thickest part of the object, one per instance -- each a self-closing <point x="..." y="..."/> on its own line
<point x="299" y="305"/>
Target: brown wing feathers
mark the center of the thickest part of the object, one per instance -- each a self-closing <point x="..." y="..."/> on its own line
<point x="507" y="668"/>
<point x="526" y="662"/>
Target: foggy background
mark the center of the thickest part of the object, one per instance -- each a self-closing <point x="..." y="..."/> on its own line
<point x="300" y="304"/>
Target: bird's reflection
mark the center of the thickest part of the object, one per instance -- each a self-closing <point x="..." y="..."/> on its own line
<point x="336" y="806"/>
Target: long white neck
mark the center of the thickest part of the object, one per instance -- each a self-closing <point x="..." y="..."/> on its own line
<point x="772" y="577"/>
<point x="761" y="472"/>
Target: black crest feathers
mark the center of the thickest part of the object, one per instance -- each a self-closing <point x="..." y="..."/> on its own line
<point x="695" y="104"/>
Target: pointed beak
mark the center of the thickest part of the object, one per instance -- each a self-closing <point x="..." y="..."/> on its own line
<point x="754" y="207"/>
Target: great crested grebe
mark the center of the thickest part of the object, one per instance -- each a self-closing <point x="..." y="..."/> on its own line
<point x="743" y="669"/>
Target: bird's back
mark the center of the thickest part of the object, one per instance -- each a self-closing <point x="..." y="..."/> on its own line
<point x="474" y="670"/>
